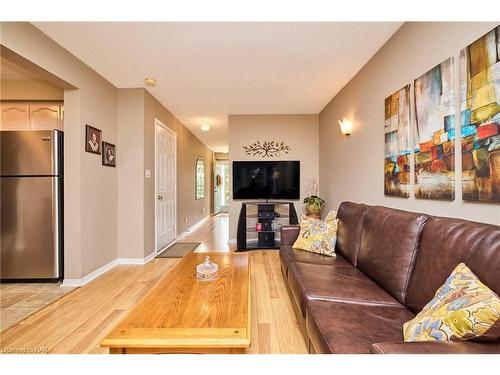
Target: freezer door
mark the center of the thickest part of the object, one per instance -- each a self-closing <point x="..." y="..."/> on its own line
<point x="30" y="153"/>
<point x="29" y="222"/>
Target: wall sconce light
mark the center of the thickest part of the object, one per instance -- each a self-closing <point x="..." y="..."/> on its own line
<point x="345" y="126"/>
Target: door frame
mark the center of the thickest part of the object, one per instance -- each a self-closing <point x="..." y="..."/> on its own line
<point x="165" y="127"/>
<point x="216" y="163"/>
<point x="214" y="196"/>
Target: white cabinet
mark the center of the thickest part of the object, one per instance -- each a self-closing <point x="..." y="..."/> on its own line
<point x="15" y="117"/>
<point x="45" y="117"/>
<point x="31" y="116"/>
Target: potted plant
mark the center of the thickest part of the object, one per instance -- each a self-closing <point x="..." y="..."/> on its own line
<point x="314" y="203"/>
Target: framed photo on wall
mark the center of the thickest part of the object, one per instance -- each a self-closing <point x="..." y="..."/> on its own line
<point x="92" y="139"/>
<point x="108" y="154"/>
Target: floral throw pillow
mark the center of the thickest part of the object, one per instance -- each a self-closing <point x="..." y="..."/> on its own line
<point x="462" y="309"/>
<point x="318" y="236"/>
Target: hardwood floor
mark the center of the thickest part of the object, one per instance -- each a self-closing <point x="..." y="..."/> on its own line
<point x="213" y="235"/>
<point x="79" y="321"/>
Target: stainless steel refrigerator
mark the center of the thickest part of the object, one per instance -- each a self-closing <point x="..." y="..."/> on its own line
<point x="31" y="205"/>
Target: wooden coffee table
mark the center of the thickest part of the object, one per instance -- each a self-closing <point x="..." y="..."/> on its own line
<point x="182" y="314"/>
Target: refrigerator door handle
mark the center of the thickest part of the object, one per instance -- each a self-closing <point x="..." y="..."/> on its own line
<point x="55" y="152"/>
<point x="56" y="222"/>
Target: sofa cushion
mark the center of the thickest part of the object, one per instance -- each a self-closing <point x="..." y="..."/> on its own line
<point x="350" y="224"/>
<point x="290" y="255"/>
<point x="447" y="242"/>
<point x="318" y="236"/>
<point x="352" y="328"/>
<point x="463" y="308"/>
<point x="434" y="347"/>
<point x="389" y="245"/>
<point x="334" y="282"/>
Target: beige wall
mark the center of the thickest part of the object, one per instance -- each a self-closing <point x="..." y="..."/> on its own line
<point x="351" y="168"/>
<point x="137" y="111"/>
<point x="130" y="157"/>
<point x="189" y="147"/>
<point x="221" y="156"/>
<point x="29" y="90"/>
<point x="300" y="132"/>
<point x="90" y="189"/>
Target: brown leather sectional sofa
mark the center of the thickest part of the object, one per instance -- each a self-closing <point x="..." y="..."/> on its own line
<point x="389" y="264"/>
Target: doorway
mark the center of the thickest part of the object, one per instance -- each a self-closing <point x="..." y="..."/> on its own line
<point x="165" y="185"/>
<point x="221" y="188"/>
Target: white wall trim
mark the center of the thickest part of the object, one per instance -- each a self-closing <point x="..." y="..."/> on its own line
<point x="102" y="270"/>
<point x="91" y="276"/>
<point x="138" y="261"/>
<point x="149" y="257"/>
<point x="192" y="227"/>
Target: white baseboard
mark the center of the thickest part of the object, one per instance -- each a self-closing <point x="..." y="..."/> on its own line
<point x="149" y="257"/>
<point x="91" y="276"/>
<point x="136" y="260"/>
<point x="98" y="272"/>
<point x="192" y="227"/>
<point x="139" y="261"/>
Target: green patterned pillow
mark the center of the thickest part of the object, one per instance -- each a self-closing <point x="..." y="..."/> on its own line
<point x="462" y="309"/>
<point x="318" y="236"/>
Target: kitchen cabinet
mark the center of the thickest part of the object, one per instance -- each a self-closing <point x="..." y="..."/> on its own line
<point x="31" y="116"/>
<point x="15" y="117"/>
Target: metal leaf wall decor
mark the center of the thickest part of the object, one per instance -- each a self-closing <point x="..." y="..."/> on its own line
<point x="267" y="149"/>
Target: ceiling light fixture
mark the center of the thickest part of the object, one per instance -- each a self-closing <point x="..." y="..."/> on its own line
<point x="150" y="81"/>
<point x="204" y="126"/>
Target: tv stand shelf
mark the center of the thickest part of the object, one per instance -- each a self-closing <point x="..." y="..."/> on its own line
<point x="269" y="216"/>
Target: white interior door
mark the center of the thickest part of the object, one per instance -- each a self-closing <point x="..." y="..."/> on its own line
<point x="165" y="185"/>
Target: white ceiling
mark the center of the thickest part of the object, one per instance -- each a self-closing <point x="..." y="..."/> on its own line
<point x="206" y="71"/>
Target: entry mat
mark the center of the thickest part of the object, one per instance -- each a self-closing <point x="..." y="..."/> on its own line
<point x="178" y="249"/>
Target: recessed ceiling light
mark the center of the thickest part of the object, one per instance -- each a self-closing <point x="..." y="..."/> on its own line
<point x="150" y="81"/>
<point x="205" y="127"/>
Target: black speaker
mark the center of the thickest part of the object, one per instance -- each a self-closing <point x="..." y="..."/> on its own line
<point x="266" y="239"/>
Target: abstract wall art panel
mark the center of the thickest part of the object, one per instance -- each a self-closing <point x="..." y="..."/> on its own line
<point x="480" y="118"/>
<point x="397" y="144"/>
<point x="435" y="133"/>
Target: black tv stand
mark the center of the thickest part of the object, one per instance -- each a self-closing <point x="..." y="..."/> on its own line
<point x="255" y="224"/>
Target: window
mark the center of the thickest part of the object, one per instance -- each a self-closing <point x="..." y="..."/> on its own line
<point x="200" y="178"/>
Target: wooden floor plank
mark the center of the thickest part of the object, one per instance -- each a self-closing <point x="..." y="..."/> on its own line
<point x="78" y="322"/>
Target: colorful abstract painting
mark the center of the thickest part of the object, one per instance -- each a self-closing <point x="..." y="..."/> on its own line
<point x="397" y="144"/>
<point x="480" y="118"/>
<point x="435" y="133"/>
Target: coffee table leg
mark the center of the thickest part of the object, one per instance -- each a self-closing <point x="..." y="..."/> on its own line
<point x="239" y="351"/>
<point x="116" y="350"/>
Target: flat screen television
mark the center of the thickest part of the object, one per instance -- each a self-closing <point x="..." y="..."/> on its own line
<point x="266" y="180"/>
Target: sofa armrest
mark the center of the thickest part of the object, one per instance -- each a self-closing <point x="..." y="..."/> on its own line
<point x="433" y="347"/>
<point x="289" y="234"/>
